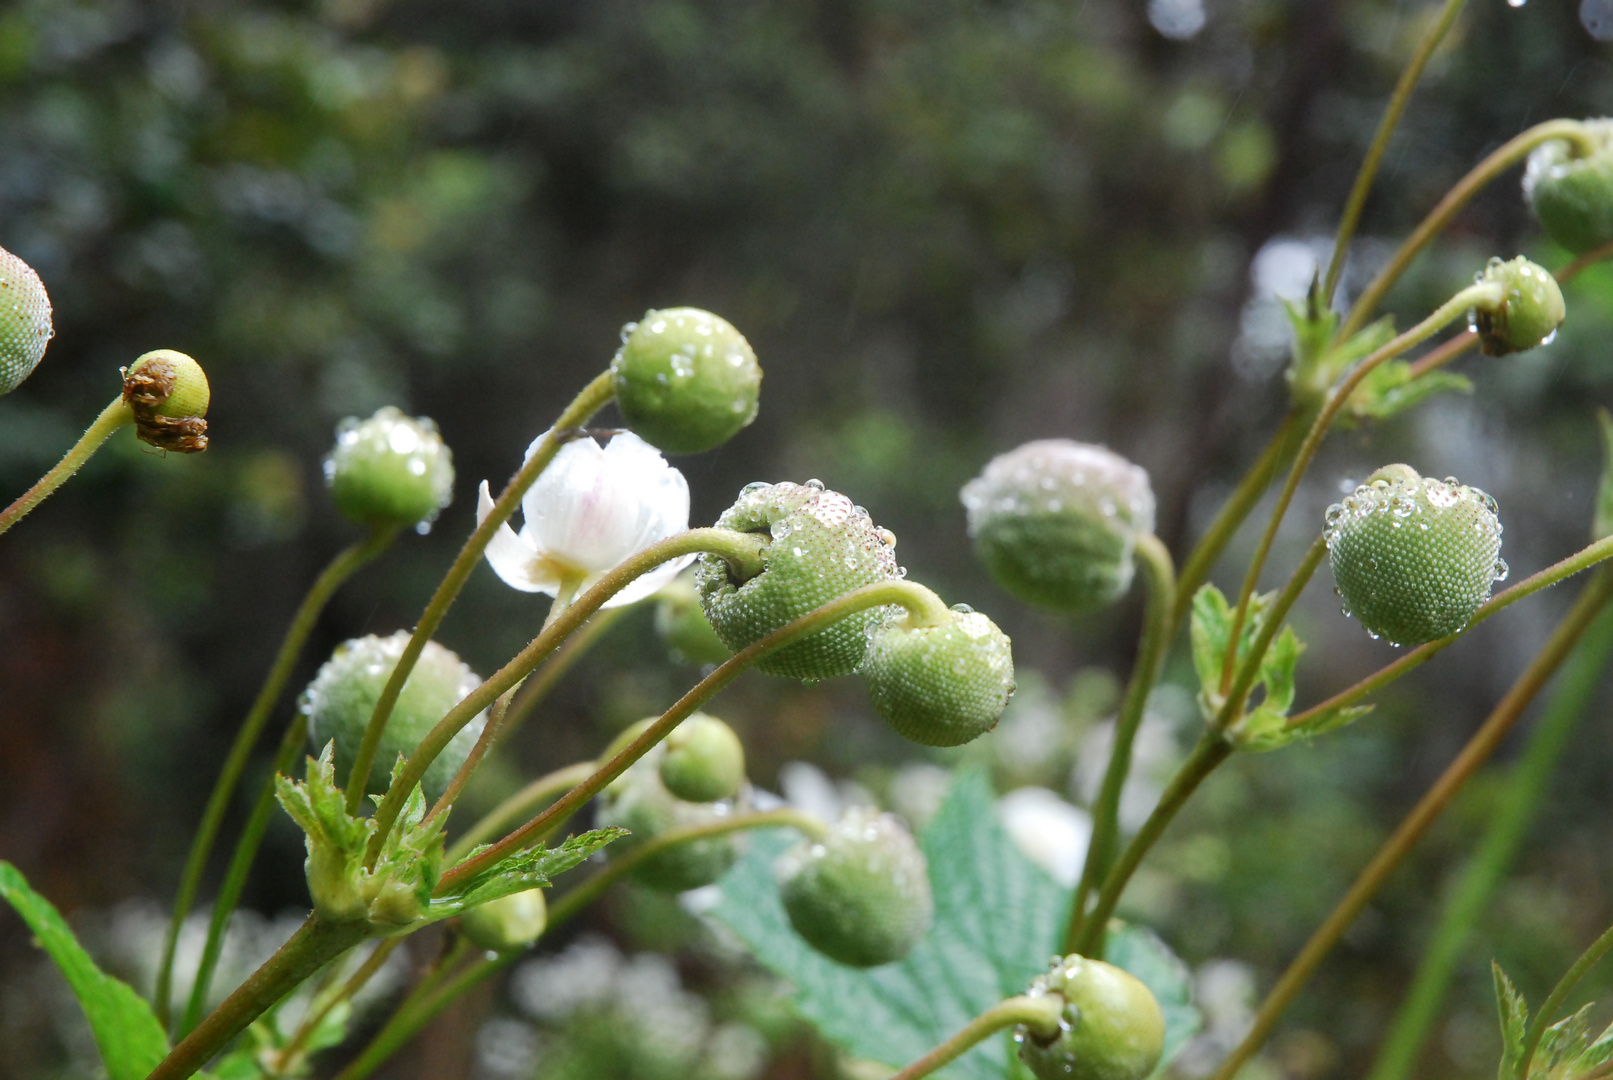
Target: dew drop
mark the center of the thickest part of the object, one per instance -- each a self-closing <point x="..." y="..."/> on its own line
<point x="754" y="486"/>
<point x="815" y="485"/>
<point x="1501" y="570"/>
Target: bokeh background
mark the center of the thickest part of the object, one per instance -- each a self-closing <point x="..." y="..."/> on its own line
<point x="947" y="226"/>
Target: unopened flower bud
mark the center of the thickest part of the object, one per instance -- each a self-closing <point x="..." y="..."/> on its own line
<point x="1530" y="311"/>
<point x="686" y="380"/>
<point x="508" y="923"/>
<point x="1112" y="1027"/>
<point x="389" y="469"/>
<point x="25" y="327"/>
<point x="684" y="626"/>
<point x="168" y="393"/>
<point x="1571" y="192"/>
<point x="639" y="802"/>
<point x="704" y="760"/>
<point x="940" y="685"/>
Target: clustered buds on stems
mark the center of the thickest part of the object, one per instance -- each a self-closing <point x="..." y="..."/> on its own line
<point x="639" y="801"/>
<point x="1112" y="1027"/>
<point x="685" y="380"/>
<point x="391" y="469"/>
<point x="1570" y="191"/>
<point x="168" y="393"/>
<point x="25" y="327"/>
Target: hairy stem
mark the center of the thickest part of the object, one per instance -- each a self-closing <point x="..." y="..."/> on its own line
<point x="1039" y="1014"/>
<point x="543" y="790"/>
<point x="112" y="417"/>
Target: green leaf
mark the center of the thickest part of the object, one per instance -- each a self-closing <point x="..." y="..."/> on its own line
<point x="524" y="870"/>
<point x="1277" y="671"/>
<point x="132" y="1043"/>
<point x="1393" y="387"/>
<point x="998" y="918"/>
<point x="1514" y="1019"/>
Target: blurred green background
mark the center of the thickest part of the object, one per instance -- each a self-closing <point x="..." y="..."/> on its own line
<point x="946" y="227"/>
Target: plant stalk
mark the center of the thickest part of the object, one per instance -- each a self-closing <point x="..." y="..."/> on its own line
<point x="112" y="417"/>
<point x="1040" y="1014"/>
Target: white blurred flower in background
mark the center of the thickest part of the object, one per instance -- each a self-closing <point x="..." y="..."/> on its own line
<point x="1051" y="832"/>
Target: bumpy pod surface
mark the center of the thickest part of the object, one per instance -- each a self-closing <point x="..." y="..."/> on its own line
<point x="1056" y="522"/>
<point x="1529" y="314"/>
<point x="1572" y="196"/>
<point x="1414" y="557"/>
<point x="940" y="685"/>
<point x="389" y="469"/>
<point x="508" y="923"/>
<point x="822" y="547"/>
<point x="1111" y="1028"/>
<point x="685" y="380"/>
<point x="639" y="802"/>
<point x="704" y="760"/>
<point x="339" y="701"/>
<point x="25" y="327"/>
<point x="860" y="896"/>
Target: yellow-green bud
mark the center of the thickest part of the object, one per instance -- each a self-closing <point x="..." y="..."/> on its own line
<point x="1111" y="1029"/>
<point x="25" y="327"/>
<point x="168" y="394"/>
<point x="508" y="923"/>
<point x="940" y="685"/>
<point x="189" y="395"/>
<point x="704" y="760"/>
<point x="389" y="469"/>
<point x="1571" y="192"/>
<point x="685" y="380"/>
<point x="1530" y="311"/>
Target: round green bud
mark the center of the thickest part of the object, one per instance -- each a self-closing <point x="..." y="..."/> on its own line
<point x="389" y="469"/>
<point x="1571" y="192"/>
<point x="189" y="394"/>
<point x="684" y="626"/>
<point x="704" y="760"/>
<point x="25" y="327"/>
<point x="1111" y="1028"/>
<point x="639" y="802"/>
<point x="940" y="685"/>
<point x="861" y="895"/>
<point x="339" y="701"/>
<point x="822" y="547"/>
<point x="1056" y="522"/>
<point x="1530" y="311"/>
<point x="1414" y="557"/>
<point x="686" y="380"/>
<point x="508" y="923"/>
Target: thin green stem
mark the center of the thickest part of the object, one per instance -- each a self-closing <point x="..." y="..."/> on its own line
<point x="1572" y="695"/>
<point x="1161" y="578"/>
<point x="1434" y="800"/>
<point x="589" y="401"/>
<point x="112" y="417"/>
<point x="536" y="688"/>
<point x="916" y="598"/>
<point x="344" y="566"/>
<point x="1559" y="994"/>
<point x="544" y="789"/>
<point x="316" y="1015"/>
<point x="1502" y="159"/>
<point x="1040" y="1014"/>
<point x="737" y="547"/>
<point x="1380" y="142"/>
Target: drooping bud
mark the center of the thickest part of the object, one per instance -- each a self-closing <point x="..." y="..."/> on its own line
<point x="1530" y="311"/>
<point x="508" y="923"/>
<point x="686" y="380"/>
<point x="25" y="327"/>
<point x="1056" y="522"/>
<point x="704" y="760"/>
<point x="391" y="469"/>
<point x="1112" y="1027"/>
<point x="940" y="685"/>
<point x="684" y="626"/>
<point x="639" y="802"/>
<point x="168" y="393"/>
<point x="1571" y="192"/>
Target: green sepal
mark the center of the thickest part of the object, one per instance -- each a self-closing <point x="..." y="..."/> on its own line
<point x="1568" y="1050"/>
<point x="1514" y="1015"/>
<point x="1211" y="629"/>
<point x="1315" y="324"/>
<point x="1309" y="382"/>
<point x="1266" y="726"/>
<point x="1392" y="388"/>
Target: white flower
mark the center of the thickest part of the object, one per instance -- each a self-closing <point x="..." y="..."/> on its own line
<point x="592" y="508"/>
<point x="1049" y="831"/>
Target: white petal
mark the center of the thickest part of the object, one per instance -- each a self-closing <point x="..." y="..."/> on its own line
<point x="647" y="585"/>
<point x="595" y="506"/>
<point x="512" y="558"/>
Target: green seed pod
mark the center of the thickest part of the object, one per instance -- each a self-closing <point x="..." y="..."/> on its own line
<point x="1056" y="522"/>
<point x="168" y="394"/>
<point x="25" y="327"/>
<point x="822" y="548"/>
<point x="684" y="627"/>
<point x="508" y="923"/>
<point x="1530" y="311"/>
<point x="686" y="381"/>
<point x="1111" y="1029"/>
<point x="704" y="760"/>
<point x="189" y="395"/>
<point x="1414" y="557"/>
<point x="861" y="895"/>
<point x="339" y="701"/>
<point x="1572" y="196"/>
<point x="940" y="685"/>
<point x="639" y="802"/>
<point x="389" y="469"/>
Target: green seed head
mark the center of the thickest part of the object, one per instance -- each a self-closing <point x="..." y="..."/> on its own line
<point x="190" y="394"/>
<point x="1112" y="1028"/>
<point x="684" y="627"/>
<point x="822" y="547"/>
<point x="25" y="327"/>
<point x="339" y="701"/>
<point x="940" y="685"/>
<point x="1530" y="311"/>
<point x="704" y="760"/>
<point x="686" y="380"/>
<point x="861" y="895"/>
<point x="1056" y="522"/>
<point x="639" y="802"/>
<point x="508" y="923"/>
<point x="389" y="469"/>
<point x="1572" y="195"/>
<point x="1414" y="557"/>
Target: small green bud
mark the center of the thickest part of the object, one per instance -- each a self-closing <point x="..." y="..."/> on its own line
<point x="1530" y="311"/>
<point x="1056" y="522"/>
<point x="704" y="760"/>
<point x="822" y="547"/>
<point x="683" y="625"/>
<point x="342" y="695"/>
<point x="25" y="327"/>
<point x="861" y="895"/>
<point x="508" y="923"/>
<point x="1414" y="557"/>
<point x="639" y="802"/>
<point x="940" y="685"/>
<point x="168" y="393"/>
<point x="686" y="380"/>
<point x="1572" y="195"/>
<point x="1112" y="1028"/>
<point x="389" y="469"/>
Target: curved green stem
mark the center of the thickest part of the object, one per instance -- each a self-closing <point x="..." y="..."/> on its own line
<point x="344" y="566"/>
<point x="1039" y="1014"/>
<point x="1161" y="576"/>
<point x="536" y="688"/>
<point x="543" y="790"/>
<point x="1389" y="856"/>
<point x="112" y="417"/>
<point x="1554" y="1000"/>
<point x="1502" y="159"/>
<point x="590" y="400"/>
